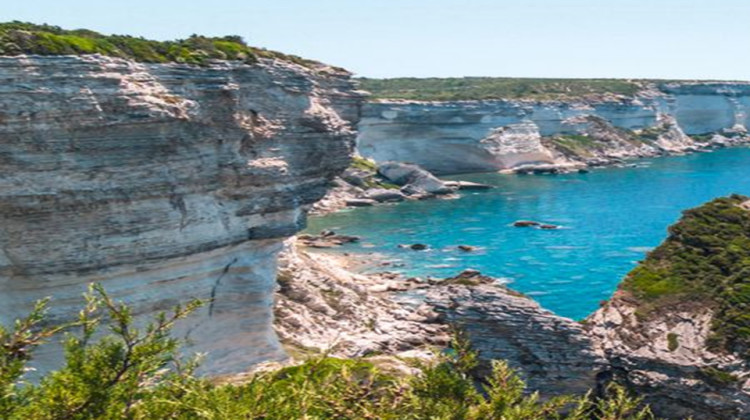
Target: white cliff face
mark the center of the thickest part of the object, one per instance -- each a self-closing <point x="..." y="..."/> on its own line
<point x="516" y="145"/>
<point x="470" y="136"/>
<point x="164" y="183"/>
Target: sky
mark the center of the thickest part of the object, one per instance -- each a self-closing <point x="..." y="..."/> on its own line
<point x="672" y="39"/>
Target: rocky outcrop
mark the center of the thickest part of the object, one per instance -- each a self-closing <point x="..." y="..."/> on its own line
<point x="676" y="329"/>
<point x="416" y="179"/>
<point x="322" y="307"/>
<point x="164" y="182"/>
<point x="365" y="184"/>
<point x="666" y="361"/>
<point x="553" y="354"/>
<point x="492" y="135"/>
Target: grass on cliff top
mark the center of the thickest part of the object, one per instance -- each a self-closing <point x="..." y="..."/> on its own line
<point x="480" y="88"/>
<point x="137" y="374"/>
<point x="704" y="261"/>
<point x="18" y="38"/>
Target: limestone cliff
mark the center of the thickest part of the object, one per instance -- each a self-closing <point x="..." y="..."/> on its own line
<point x="164" y="182"/>
<point x="491" y="135"/>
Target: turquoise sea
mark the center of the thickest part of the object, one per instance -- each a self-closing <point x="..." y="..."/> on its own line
<point x="610" y="218"/>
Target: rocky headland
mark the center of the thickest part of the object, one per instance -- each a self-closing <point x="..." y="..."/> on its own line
<point x="552" y="135"/>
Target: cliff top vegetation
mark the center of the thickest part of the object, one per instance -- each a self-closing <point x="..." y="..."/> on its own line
<point x="19" y="38"/>
<point x="482" y="88"/>
<point x="704" y="261"/>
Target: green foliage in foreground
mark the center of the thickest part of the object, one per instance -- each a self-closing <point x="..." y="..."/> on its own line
<point x="18" y="38"/>
<point x="479" y="88"/>
<point x="705" y="261"/>
<point x="136" y="374"/>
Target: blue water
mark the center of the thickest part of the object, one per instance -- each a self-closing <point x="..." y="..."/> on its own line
<point x="610" y="217"/>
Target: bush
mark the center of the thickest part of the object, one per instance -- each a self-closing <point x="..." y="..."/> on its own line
<point x="18" y="38"/>
<point x="482" y="88"/>
<point x="135" y="373"/>
<point x="673" y="341"/>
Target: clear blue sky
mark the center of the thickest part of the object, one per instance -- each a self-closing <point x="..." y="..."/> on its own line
<point x="703" y="39"/>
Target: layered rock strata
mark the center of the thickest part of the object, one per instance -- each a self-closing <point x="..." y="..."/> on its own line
<point x="553" y="354"/>
<point x="667" y="362"/>
<point x="492" y="135"/>
<point x="322" y="307"/>
<point x="164" y="182"/>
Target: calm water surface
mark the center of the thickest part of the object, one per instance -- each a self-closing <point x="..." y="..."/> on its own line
<point x="610" y="218"/>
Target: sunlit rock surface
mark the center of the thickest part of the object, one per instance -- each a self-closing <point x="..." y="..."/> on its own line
<point x="164" y="183"/>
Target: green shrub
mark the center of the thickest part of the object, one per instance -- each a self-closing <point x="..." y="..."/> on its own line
<point x="135" y="373"/>
<point x="481" y="88"/>
<point x="364" y="164"/>
<point x="717" y="377"/>
<point x="673" y="341"/>
<point x="18" y="38"/>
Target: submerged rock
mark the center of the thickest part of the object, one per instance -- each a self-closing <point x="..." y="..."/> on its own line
<point x="466" y="185"/>
<point x="525" y="223"/>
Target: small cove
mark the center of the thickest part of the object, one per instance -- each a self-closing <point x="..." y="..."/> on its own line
<point x="610" y="218"/>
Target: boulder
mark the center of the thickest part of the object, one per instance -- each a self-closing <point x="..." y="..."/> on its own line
<point x="383" y="195"/>
<point x="466" y="185"/>
<point x="409" y="174"/>
<point x="415" y="247"/>
<point x="360" y="202"/>
<point x="356" y="177"/>
<point x="549" y="227"/>
<point x="467" y="248"/>
<point x="525" y="223"/>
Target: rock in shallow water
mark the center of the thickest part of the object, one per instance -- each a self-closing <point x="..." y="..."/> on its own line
<point x="383" y="195"/>
<point x="525" y="223"/>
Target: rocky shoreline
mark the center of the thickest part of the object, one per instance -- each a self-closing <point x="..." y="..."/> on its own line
<point x="356" y="187"/>
<point x="367" y="183"/>
<point x="322" y="305"/>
